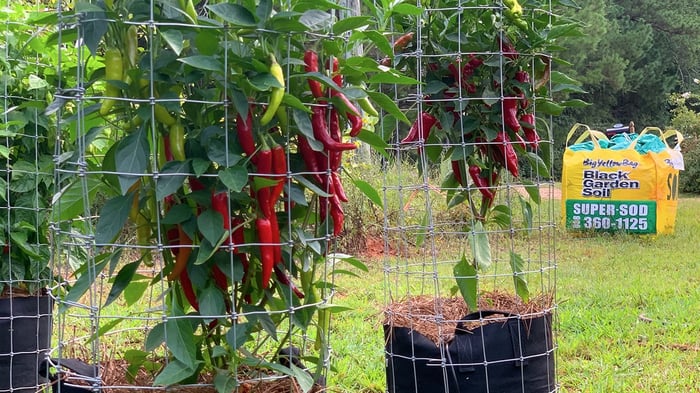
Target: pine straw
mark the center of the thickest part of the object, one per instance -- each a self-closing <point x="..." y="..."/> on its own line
<point x="437" y="318"/>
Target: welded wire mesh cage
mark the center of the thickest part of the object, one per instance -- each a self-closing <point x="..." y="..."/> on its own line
<point x="26" y="186"/>
<point x="469" y="221"/>
<point x="197" y="240"/>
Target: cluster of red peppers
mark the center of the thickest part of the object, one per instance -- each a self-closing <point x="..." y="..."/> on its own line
<point x="516" y="128"/>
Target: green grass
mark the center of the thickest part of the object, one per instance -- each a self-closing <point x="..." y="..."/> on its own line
<point x="627" y="317"/>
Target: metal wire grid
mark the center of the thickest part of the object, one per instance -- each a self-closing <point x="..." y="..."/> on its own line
<point x="25" y="173"/>
<point x="423" y="243"/>
<point x="80" y="325"/>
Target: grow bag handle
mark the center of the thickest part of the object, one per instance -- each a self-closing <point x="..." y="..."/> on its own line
<point x="58" y="383"/>
<point x="463" y="338"/>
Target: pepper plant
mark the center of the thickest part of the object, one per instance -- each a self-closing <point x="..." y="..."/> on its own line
<point x="216" y="136"/>
<point x="483" y="106"/>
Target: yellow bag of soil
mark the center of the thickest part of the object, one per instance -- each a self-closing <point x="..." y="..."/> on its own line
<point x="628" y="183"/>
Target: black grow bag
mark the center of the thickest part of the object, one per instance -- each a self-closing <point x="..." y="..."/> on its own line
<point x="25" y="337"/>
<point x="519" y="358"/>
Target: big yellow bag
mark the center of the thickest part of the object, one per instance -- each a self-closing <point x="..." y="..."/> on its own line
<point x="607" y="189"/>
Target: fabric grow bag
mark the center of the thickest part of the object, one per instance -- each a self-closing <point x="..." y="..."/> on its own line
<point x="503" y="356"/>
<point x="25" y="323"/>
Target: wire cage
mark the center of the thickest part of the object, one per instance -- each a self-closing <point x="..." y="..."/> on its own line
<point x="26" y="186"/>
<point x="197" y="240"/>
<point x="469" y="225"/>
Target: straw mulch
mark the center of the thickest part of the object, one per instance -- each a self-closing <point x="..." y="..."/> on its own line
<point x="437" y="318"/>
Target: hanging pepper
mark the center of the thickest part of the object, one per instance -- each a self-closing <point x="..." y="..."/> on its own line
<point x="264" y="169"/>
<point x="279" y="168"/>
<point x="338" y="187"/>
<point x="507" y="48"/>
<point x="333" y="67"/>
<point x="367" y="106"/>
<point x="528" y="123"/>
<point x="510" y="114"/>
<point x="320" y="128"/>
<point x="337" y="214"/>
<point x="309" y="156"/>
<point x="267" y="254"/>
<point x="522" y="76"/>
<point x="114" y="71"/>
<point x="163" y="116"/>
<point x="352" y="113"/>
<point x="420" y="129"/>
<point x="132" y="45"/>
<point x="507" y="156"/>
<point x="481" y="183"/>
<point x="220" y="204"/>
<point x="335" y="157"/>
<point x="183" y="255"/>
<point x="244" y="131"/>
<point x="277" y="92"/>
<point x="176" y="138"/>
<point x="311" y="65"/>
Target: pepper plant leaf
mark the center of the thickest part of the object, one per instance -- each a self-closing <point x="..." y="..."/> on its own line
<point x="518" y="265"/>
<point x="465" y="274"/>
<point x="480" y="247"/>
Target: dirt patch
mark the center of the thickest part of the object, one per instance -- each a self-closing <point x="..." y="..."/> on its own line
<point x="546" y="192"/>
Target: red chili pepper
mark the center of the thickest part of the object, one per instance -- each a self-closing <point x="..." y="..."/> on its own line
<point x="195" y="184"/>
<point x="510" y="113"/>
<point x="276" y="239"/>
<point x="336" y="157"/>
<point x="311" y="65"/>
<point x="320" y="128"/>
<point x="220" y="204"/>
<point x="353" y="114"/>
<point x="338" y="187"/>
<point x="168" y="151"/>
<point x="264" y="168"/>
<point x="457" y="171"/>
<point x="267" y="252"/>
<point x="183" y="255"/>
<point x="337" y="214"/>
<point x="420" y="128"/>
<point x="285" y="280"/>
<point x="522" y="76"/>
<point x="507" y="48"/>
<point x="244" y="130"/>
<point x="188" y="290"/>
<point x="309" y="156"/>
<point x="481" y="183"/>
<point x="507" y="156"/>
<point x="335" y="74"/>
<point x="279" y="167"/>
<point x="474" y="61"/>
<point x="402" y="42"/>
<point x="531" y="135"/>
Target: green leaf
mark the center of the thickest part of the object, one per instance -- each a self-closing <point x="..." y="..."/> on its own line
<point x="210" y="224"/>
<point x="208" y="63"/>
<point x="171" y="178"/>
<point x="234" y="14"/>
<point x="294" y="102"/>
<point x="465" y="274"/>
<point x="533" y="190"/>
<point x="420" y="236"/>
<point x="113" y="215"/>
<point x="259" y="315"/>
<point x="211" y="302"/>
<point x="179" y="337"/>
<point x="407" y="9"/>
<point x="388" y="105"/>
<point x="518" y="265"/>
<point x="173" y="37"/>
<point x="263" y="11"/>
<point x="69" y="202"/>
<point x="206" y="250"/>
<point x="351" y="23"/>
<point x="393" y="79"/>
<point x="225" y="382"/>
<point x="538" y="164"/>
<point x="134" y="291"/>
<point x="238" y="335"/>
<point x="155" y="337"/>
<point x="375" y="141"/>
<point x="481" y="249"/>
<point x="121" y="281"/>
<point x="86" y="279"/>
<point x="176" y="371"/>
<point x="548" y="107"/>
<point x="575" y="103"/>
<point x="369" y="191"/>
<point x="315" y="19"/>
<point x="234" y="178"/>
<point x="527" y="212"/>
<point x="380" y="41"/>
<point x="311" y="186"/>
<point x="303" y="378"/>
<point x="131" y="158"/>
<point x="177" y="214"/>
